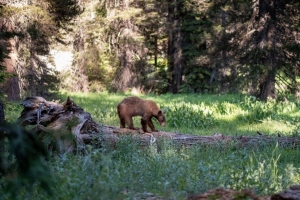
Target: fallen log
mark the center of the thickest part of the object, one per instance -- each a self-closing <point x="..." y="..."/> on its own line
<point x="72" y="128"/>
<point x="227" y="194"/>
<point x="293" y="193"/>
<point x="216" y="138"/>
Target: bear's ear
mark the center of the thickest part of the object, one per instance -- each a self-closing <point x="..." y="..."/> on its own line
<point x="160" y="112"/>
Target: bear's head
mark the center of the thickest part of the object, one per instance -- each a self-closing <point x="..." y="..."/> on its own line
<point x="161" y="118"/>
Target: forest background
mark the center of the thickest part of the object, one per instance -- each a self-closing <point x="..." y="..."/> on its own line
<point x="177" y="46"/>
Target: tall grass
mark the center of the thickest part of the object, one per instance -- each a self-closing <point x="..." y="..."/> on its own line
<point x="128" y="171"/>
<point x="204" y="114"/>
<point x="170" y="172"/>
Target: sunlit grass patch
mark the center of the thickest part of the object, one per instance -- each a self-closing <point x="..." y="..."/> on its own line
<point x="189" y="116"/>
<point x="267" y="127"/>
<point x="201" y="114"/>
<point x="194" y="113"/>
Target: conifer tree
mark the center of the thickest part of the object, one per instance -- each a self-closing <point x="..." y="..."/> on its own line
<point x="38" y="24"/>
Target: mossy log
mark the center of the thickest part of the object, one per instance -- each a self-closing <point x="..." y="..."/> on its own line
<point x="68" y="119"/>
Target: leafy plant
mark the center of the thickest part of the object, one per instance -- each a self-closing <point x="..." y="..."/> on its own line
<point x="181" y="114"/>
<point x="130" y="169"/>
<point x="23" y="162"/>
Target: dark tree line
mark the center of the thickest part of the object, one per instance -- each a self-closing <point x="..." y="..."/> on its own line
<point x="28" y="29"/>
<point x="204" y="46"/>
<point x="173" y="46"/>
<point x="236" y="46"/>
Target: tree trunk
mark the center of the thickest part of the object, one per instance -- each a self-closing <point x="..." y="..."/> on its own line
<point x="178" y="60"/>
<point x="267" y="88"/>
<point x="131" y="71"/>
<point x="170" y="30"/>
<point x="125" y="76"/>
<point x="2" y="118"/>
<point x="267" y="41"/>
<point x="223" y="70"/>
<point x="175" y="57"/>
<point x="11" y="86"/>
<point x="155" y="51"/>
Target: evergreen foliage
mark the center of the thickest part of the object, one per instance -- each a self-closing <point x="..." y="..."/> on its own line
<point x="168" y="46"/>
<point x="5" y="35"/>
<point x="33" y="28"/>
<point x="23" y="162"/>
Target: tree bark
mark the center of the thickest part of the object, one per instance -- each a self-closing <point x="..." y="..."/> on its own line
<point x="178" y="61"/>
<point x="66" y="125"/>
<point x="2" y="118"/>
<point x="267" y="88"/>
<point x="293" y="193"/>
<point x="11" y="86"/>
<point x="266" y="40"/>
<point x="170" y="20"/>
<point x="223" y="69"/>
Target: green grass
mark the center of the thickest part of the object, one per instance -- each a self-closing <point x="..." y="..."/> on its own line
<point x="172" y="172"/>
<point x="203" y="114"/>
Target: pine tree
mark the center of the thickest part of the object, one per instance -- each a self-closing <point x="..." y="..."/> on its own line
<point x="38" y="24"/>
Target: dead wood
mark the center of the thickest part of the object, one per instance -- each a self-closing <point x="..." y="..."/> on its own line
<point x="60" y="121"/>
<point x="293" y="193"/>
<point x="216" y="138"/>
<point x="226" y="194"/>
<point x="67" y="124"/>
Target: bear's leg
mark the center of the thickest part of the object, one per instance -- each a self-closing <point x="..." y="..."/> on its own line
<point x="144" y="123"/>
<point x="151" y="125"/>
<point x="122" y="123"/>
<point x="129" y="122"/>
<point x="121" y="117"/>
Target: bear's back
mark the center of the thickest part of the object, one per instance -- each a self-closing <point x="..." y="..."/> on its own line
<point x="135" y="106"/>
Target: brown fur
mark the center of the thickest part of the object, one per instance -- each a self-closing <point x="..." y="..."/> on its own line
<point x="134" y="106"/>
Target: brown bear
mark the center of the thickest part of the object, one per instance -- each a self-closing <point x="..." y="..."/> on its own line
<point x="135" y="106"/>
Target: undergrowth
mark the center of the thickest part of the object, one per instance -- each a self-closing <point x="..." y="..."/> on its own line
<point x="130" y="170"/>
<point x="204" y="114"/>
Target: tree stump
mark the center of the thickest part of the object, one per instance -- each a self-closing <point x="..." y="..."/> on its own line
<point x="67" y="124"/>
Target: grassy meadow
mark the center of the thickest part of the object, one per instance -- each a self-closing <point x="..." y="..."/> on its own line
<point x="203" y="114"/>
<point x="172" y="172"/>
